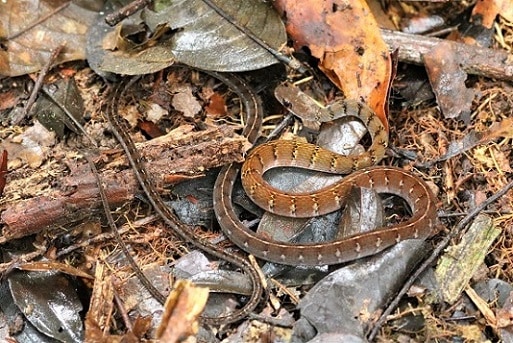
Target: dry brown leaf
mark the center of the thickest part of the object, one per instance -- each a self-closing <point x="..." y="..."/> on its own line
<point x="447" y="79"/>
<point x="150" y="129"/>
<point x="183" y="307"/>
<point x="216" y="106"/>
<point x="184" y="101"/>
<point x="507" y="10"/>
<point x="9" y="99"/>
<point x="503" y="128"/>
<point x="488" y="10"/>
<point x="347" y="41"/>
<point x="30" y="51"/>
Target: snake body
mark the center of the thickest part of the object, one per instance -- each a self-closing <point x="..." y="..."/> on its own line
<point x="303" y="155"/>
<point x="118" y="127"/>
<point x="294" y="153"/>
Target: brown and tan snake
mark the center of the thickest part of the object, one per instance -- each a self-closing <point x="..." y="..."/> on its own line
<point x="297" y="154"/>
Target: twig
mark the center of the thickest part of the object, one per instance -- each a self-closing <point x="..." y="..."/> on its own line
<point x="123" y="312"/>
<point x="126" y="11"/>
<point x="41" y="77"/>
<point x="6" y="267"/>
<point x="107" y="236"/>
<point x="279" y="322"/>
<point x="475" y="60"/>
<point x="285" y="122"/>
<point x="3" y="171"/>
<point x="436" y="252"/>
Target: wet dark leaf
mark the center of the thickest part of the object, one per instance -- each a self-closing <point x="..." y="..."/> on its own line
<point x="189" y="32"/>
<point x="49" y="302"/>
<point x="207" y="41"/>
<point x="64" y="97"/>
<point x="448" y="78"/>
<point x="329" y="312"/>
<point x="17" y="326"/>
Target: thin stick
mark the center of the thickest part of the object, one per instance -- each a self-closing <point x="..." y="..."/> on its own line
<point x="41" y="77"/>
<point x="438" y="250"/>
<point x="140" y="275"/>
<point x="107" y="236"/>
<point x="123" y="312"/>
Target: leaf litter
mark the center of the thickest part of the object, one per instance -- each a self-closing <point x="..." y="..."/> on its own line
<point x="473" y="161"/>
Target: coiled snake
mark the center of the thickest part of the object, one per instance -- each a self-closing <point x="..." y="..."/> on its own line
<point x="303" y="155"/>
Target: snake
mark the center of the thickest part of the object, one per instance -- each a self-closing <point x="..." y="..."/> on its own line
<point x="361" y="171"/>
<point x="120" y="131"/>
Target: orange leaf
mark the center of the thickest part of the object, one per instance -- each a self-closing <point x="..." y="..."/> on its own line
<point x="216" y="106"/>
<point x="347" y="41"/>
<point x="487" y="11"/>
<point x="150" y="129"/>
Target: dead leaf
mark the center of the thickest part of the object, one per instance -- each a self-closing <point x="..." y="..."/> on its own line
<point x="216" y="106"/>
<point x="503" y="128"/>
<point x="184" y="101"/>
<point x="53" y="266"/>
<point x="195" y="35"/>
<point x="501" y="159"/>
<point x="35" y="145"/>
<point x="155" y="112"/>
<point x="105" y="46"/>
<point x="150" y="128"/>
<point x="50" y="302"/>
<point x="50" y="107"/>
<point x="447" y="79"/>
<point x="183" y="307"/>
<point x="487" y="11"/>
<point x="346" y="40"/>
<point x="505" y="314"/>
<point x="9" y="99"/>
<point x="29" y="51"/>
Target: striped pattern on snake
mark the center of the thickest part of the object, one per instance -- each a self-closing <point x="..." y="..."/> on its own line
<point x="297" y="154"/>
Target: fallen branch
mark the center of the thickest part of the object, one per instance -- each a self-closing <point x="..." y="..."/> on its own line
<point x="496" y="64"/>
<point x="182" y="151"/>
